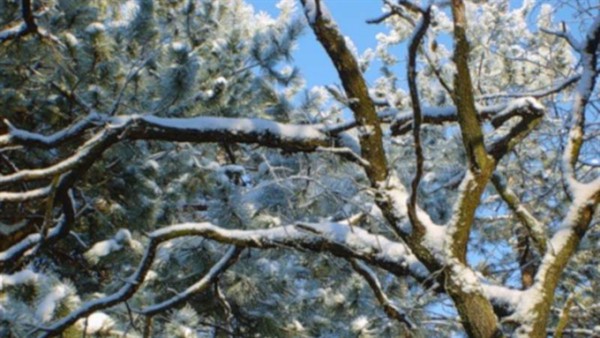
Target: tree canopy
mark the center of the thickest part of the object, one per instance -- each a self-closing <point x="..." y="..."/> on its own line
<point x="165" y="171"/>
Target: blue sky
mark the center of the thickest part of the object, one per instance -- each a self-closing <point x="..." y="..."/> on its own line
<point x="350" y="15"/>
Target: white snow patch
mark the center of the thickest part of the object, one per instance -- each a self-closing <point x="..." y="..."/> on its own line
<point x="239" y="125"/>
<point x="359" y="324"/>
<point x="104" y="248"/>
<point x="46" y="308"/>
<point x="312" y="11"/>
<point x="95" y="28"/>
<point x="21" y="277"/>
<point x="97" y="322"/>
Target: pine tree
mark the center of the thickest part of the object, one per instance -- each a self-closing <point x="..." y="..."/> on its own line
<point x="165" y="172"/>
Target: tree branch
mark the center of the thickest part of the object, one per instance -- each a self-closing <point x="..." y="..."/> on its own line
<point x="355" y="86"/>
<point x="16" y="136"/>
<point x="533" y="226"/>
<point x="463" y="93"/>
<point x="28" y="26"/>
<point x="337" y="239"/>
<point x="415" y="42"/>
<point x="390" y="310"/>
<point x="571" y="40"/>
<point x="207" y="280"/>
<point x="583" y="92"/>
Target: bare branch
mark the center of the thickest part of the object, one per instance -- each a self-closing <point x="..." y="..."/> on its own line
<point x="27" y="14"/>
<point x="535" y="93"/>
<point x="565" y="34"/>
<point x="563" y="319"/>
<point x="389" y="309"/>
<point x="204" y="283"/>
<point x="415" y="42"/>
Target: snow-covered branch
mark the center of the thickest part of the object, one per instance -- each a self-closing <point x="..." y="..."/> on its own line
<point x="564" y="34"/>
<point x="27" y="26"/>
<point x="586" y="197"/>
<point x="497" y="114"/>
<point x="530" y="112"/>
<point x="197" y="130"/>
<point x="338" y="239"/>
<point x="22" y="196"/>
<point x="13" y="32"/>
<point x="561" y="247"/>
<point x="80" y="155"/>
<point x="17" y="136"/>
<point x="133" y="283"/>
<point x="35" y="241"/>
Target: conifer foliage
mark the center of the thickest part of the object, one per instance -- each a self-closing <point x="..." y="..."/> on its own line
<point x="166" y="172"/>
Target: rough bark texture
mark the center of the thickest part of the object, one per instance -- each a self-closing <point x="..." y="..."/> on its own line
<point x="550" y="276"/>
<point x="476" y="311"/>
<point x="357" y="92"/>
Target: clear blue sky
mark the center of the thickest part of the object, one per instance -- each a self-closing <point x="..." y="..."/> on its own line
<point x="350" y="15"/>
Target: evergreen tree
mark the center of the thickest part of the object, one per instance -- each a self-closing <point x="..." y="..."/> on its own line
<point x="165" y="172"/>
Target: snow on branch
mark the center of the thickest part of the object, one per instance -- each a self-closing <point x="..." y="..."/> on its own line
<point x="197" y="130"/>
<point x="18" y="136"/>
<point x="561" y="247"/>
<point x="338" y="239"/>
<point x="33" y="174"/>
<point x="564" y="34"/>
<point x="530" y="112"/>
<point x="14" y="32"/>
<point x="132" y="284"/>
<point x="242" y="130"/>
<point x="346" y="151"/>
<point x="498" y="113"/>
<point x="70" y="169"/>
<point x="25" y="195"/>
<point x="104" y="248"/>
<point x="27" y="26"/>
<point x="35" y="241"/>
<point x="399" y="10"/>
